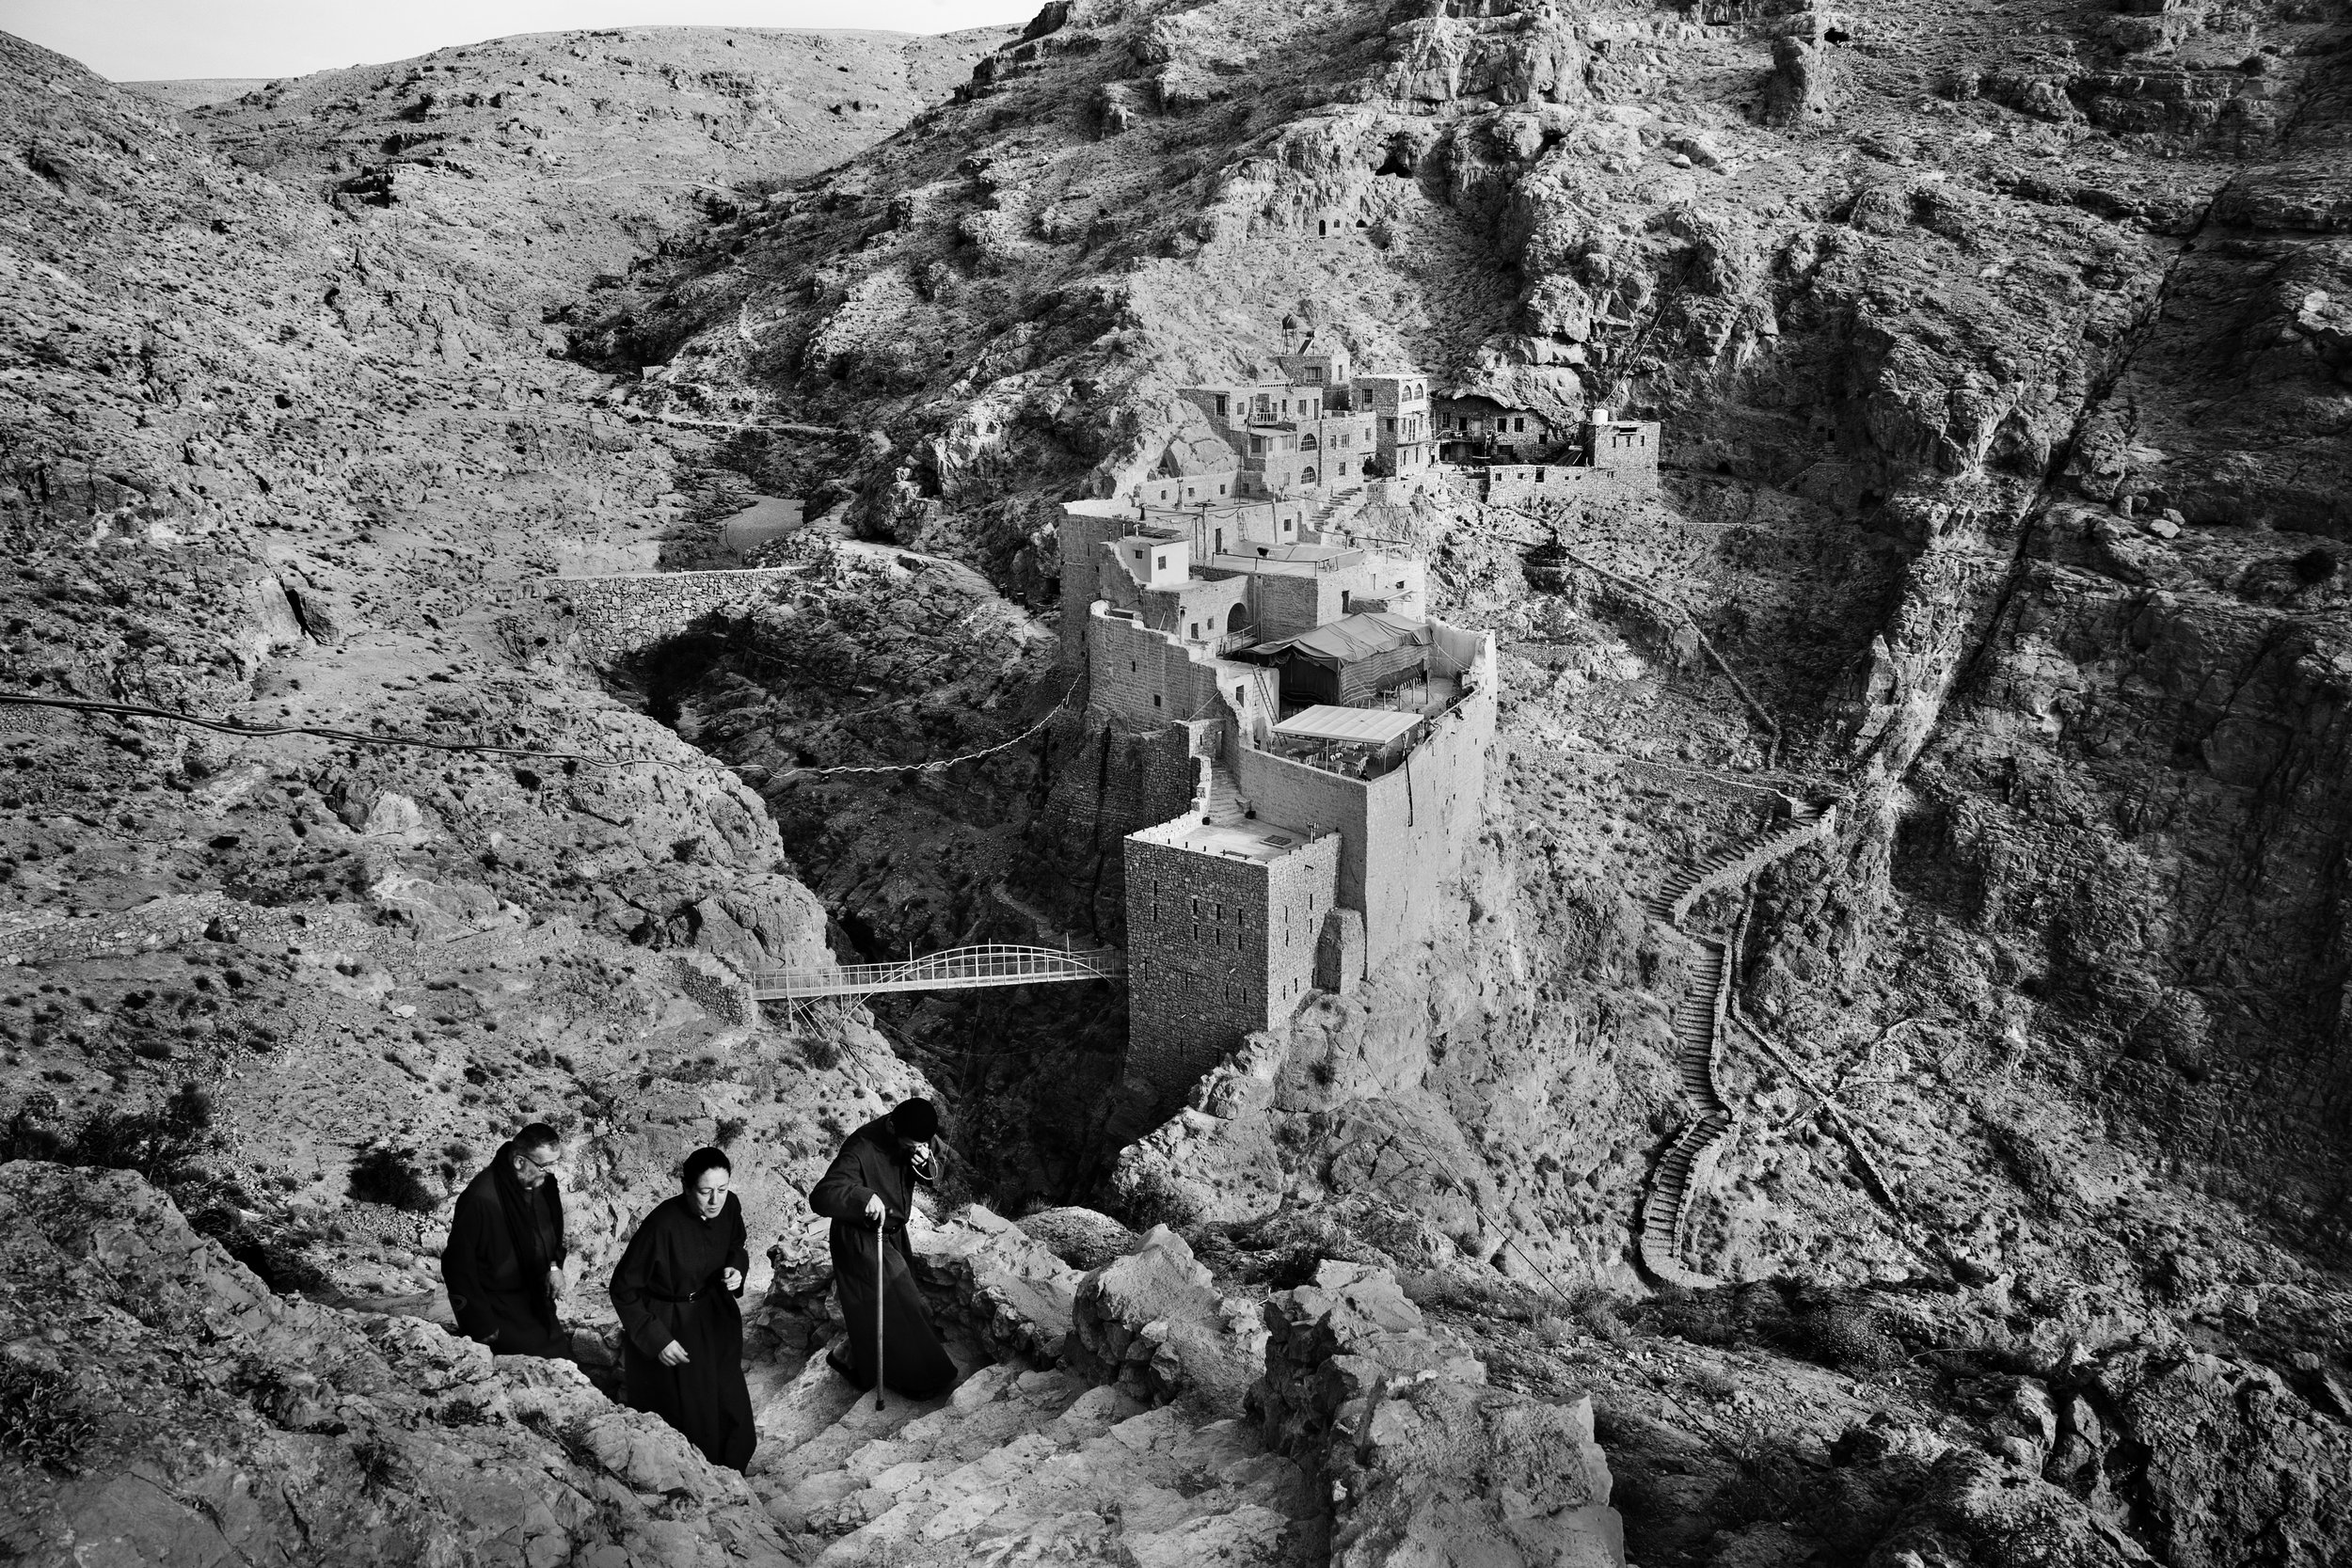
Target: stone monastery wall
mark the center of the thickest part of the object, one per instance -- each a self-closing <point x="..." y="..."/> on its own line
<point x="1403" y="833"/>
<point x="1149" y="677"/>
<point x="1217" y="947"/>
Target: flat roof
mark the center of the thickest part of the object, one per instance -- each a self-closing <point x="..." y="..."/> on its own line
<point x="1296" y="552"/>
<point x="1357" y="726"/>
<point x="1246" y="840"/>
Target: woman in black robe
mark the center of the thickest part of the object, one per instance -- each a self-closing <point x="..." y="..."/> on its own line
<point x="682" y="1338"/>
<point x="867" y="1193"/>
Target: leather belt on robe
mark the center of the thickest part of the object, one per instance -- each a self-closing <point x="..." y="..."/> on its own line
<point x="691" y="1295"/>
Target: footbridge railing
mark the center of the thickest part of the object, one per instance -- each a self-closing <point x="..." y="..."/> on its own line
<point x="957" y="968"/>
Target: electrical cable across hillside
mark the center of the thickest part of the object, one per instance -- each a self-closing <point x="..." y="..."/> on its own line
<point x="360" y="738"/>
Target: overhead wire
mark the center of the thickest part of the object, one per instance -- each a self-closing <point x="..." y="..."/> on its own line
<point x="364" y="737"/>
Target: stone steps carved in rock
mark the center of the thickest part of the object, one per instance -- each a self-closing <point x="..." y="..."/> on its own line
<point x="1017" y="1466"/>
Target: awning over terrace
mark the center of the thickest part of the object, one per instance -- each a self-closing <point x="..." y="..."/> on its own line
<point x="1357" y="726"/>
<point x="1355" y="636"/>
<point x="1352" y="660"/>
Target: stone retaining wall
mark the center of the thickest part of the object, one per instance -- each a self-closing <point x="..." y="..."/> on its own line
<point x="618" y="615"/>
<point x="715" y="988"/>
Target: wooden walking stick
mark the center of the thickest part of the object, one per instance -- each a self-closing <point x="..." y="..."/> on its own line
<point x="880" y="1233"/>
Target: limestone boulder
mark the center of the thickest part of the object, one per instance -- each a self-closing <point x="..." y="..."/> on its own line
<point x="1007" y="1286"/>
<point x="1154" y="1323"/>
<point x="1423" y="1461"/>
<point x="1083" y="1238"/>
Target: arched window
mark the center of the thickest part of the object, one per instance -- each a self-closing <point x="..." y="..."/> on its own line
<point x="1307" y="442"/>
<point x="1237" y="618"/>
<point x="1306" y="476"/>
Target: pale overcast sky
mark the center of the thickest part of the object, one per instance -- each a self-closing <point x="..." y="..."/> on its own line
<point x="138" y="40"/>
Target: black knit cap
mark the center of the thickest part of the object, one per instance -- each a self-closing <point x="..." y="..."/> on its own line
<point x="916" y="1120"/>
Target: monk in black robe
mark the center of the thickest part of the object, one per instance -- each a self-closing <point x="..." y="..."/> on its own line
<point x="868" y="1195"/>
<point x="504" y="1266"/>
<point x="682" y="1336"/>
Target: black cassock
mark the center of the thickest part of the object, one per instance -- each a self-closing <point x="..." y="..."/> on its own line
<point x="870" y="1165"/>
<point x="502" y="1239"/>
<point x="667" y="1287"/>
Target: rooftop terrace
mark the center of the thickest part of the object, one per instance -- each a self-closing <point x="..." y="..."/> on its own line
<point x="1253" y="841"/>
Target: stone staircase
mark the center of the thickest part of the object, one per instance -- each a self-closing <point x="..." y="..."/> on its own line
<point x="1053" y="1447"/>
<point x="1699" y="1021"/>
<point x="1332" y="506"/>
<point x="1017" y="1466"/>
<point x="1220" y="800"/>
<point x="1135" y="1415"/>
<point x="1736" y="863"/>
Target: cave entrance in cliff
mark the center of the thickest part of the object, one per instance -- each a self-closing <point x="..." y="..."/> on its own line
<point x="659" y="677"/>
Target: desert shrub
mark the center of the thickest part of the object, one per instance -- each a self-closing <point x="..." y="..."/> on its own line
<point x="383" y="1174"/>
<point x="162" y="1145"/>
<point x="1713" y="1383"/>
<point x="2316" y="565"/>
<point x="1597" y="1311"/>
<point x="729" y="1128"/>
<point x="820" y="1050"/>
<point x="1153" y="1201"/>
<point x="383" y="1468"/>
<point x="574" y="1436"/>
<point x="1844" y="1331"/>
<point x="41" y="1420"/>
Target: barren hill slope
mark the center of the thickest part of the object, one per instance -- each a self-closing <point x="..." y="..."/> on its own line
<point x="288" y="469"/>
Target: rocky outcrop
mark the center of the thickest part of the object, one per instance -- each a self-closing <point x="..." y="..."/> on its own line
<point x="1422" y="1459"/>
<point x="1153" y="1324"/>
<point x="1083" y="1238"/>
<point x="204" y="1417"/>
<point x="1800" y="90"/>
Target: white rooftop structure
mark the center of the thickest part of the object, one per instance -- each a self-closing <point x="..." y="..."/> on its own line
<point x="1356" y="726"/>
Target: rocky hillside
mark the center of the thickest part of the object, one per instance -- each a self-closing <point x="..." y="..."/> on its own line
<point x="295" y="468"/>
<point x="2002" y="357"/>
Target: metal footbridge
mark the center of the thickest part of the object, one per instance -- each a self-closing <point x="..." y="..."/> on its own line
<point x="957" y="968"/>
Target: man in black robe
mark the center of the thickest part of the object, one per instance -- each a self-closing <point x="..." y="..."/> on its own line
<point x="868" y="1195"/>
<point x="682" y="1335"/>
<point x="504" y="1266"/>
